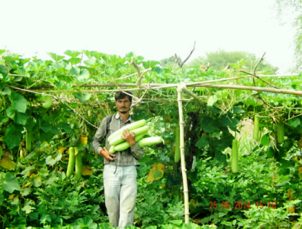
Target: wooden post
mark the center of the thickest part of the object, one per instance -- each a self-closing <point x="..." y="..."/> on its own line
<point x="182" y="153"/>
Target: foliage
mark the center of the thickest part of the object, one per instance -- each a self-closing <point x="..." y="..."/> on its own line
<point x="48" y="106"/>
<point x="234" y="60"/>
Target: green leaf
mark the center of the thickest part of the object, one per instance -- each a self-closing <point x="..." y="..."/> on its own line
<point x="83" y="97"/>
<point x="28" y="206"/>
<point x="265" y="140"/>
<point x="202" y="142"/>
<point x="19" y="103"/>
<point x="26" y="191"/>
<point x="74" y="60"/>
<point x="11" y="183"/>
<point x="12" y="136"/>
<point x="10" y="112"/>
<point x="209" y="125"/>
<point x="21" y="118"/>
<point x="55" y="56"/>
<point x="75" y="71"/>
<point x="6" y="91"/>
<point x="84" y="75"/>
<point x="294" y="123"/>
<point x="46" y="101"/>
<point x="72" y="53"/>
<point x="3" y="70"/>
<point x="52" y="161"/>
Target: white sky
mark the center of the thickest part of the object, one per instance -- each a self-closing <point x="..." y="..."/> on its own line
<point x="154" y="29"/>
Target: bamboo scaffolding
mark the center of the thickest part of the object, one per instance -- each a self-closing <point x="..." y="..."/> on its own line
<point x="182" y="87"/>
<point x="163" y="86"/>
<point x="182" y="153"/>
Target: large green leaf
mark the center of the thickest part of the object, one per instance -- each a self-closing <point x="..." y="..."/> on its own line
<point x="10" y="183"/>
<point x="19" y="103"/>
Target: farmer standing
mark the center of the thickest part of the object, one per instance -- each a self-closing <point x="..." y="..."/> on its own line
<point x="119" y="173"/>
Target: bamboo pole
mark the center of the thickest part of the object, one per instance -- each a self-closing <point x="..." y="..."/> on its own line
<point x="249" y="88"/>
<point x="182" y="153"/>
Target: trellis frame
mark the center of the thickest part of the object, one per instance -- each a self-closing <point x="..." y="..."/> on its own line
<point x="180" y="89"/>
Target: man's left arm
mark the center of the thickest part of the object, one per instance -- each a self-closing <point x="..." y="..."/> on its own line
<point x="136" y="150"/>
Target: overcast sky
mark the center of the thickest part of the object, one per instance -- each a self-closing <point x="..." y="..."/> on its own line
<point x="154" y="29"/>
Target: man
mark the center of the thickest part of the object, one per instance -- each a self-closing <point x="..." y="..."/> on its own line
<point x="119" y="168"/>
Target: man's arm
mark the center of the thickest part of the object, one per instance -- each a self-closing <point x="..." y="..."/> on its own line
<point x="136" y="150"/>
<point x="99" y="136"/>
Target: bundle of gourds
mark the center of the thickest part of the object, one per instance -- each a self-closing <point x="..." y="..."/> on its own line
<point x="140" y="131"/>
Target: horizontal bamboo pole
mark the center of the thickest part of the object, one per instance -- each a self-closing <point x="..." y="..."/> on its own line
<point x="249" y="88"/>
<point x="156" y="86"/>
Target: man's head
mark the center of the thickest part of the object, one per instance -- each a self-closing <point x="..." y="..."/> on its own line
<point x="123" y="101"/>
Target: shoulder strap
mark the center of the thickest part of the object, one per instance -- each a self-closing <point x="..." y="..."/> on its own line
<point x="108" y="121"/>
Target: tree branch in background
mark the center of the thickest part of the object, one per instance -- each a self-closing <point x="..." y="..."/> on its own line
<point x="178" y="59"/>
<point x="256" y="66"/>
<point x="254" y="74"/>
<point x="259" y="78"/>
<point x="190" y="54"/>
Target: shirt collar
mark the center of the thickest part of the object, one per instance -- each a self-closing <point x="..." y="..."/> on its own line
<point x="117" y="116"/>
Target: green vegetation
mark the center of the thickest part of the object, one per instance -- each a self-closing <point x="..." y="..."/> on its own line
<point x="229" y="60"/>
<point x="240" y="175"/>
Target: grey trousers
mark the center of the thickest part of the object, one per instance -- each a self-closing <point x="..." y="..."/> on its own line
<point x="120" y="194"/>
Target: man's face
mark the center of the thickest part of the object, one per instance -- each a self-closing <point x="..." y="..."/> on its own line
<point x="123" y="105"/>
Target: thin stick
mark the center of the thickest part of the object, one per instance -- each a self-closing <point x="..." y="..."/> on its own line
<point x="188" y="57"/>
<point x="252" y="74"/>
<point x="256" y="66"/>
<point x="182" y="153"/>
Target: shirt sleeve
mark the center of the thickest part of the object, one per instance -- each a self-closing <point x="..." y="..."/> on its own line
<point x="99" y="136"/>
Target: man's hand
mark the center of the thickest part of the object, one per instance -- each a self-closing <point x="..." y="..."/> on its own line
<point x="129" y="137"/>
<point x="104" y="152"/>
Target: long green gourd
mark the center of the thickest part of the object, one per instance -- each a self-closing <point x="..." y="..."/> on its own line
<point x="129" y="127"/>
<point x="71" y="161"/>
<point x="118" y="139"/>
<point x="125" y="145"/>
<point x="149" y="141"/>
<point x="234" y="156"/>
